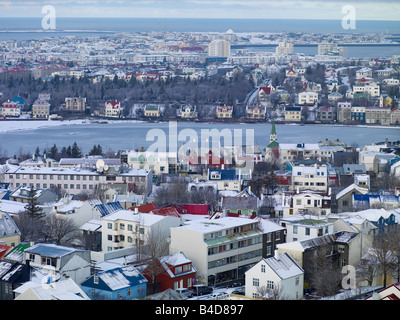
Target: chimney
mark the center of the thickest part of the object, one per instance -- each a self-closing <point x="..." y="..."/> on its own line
<point x="136" y="210"/>
<point x="276" y="254"/>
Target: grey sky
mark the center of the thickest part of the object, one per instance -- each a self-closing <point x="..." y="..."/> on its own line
<point x="268" y="9"/>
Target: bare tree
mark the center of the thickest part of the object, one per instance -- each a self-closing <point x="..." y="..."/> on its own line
<point x="57" y="228"/>
<point x="325" y="276"/>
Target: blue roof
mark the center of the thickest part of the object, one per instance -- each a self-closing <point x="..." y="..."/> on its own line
<point x="107" y="208"/>
<point x="19" y="100"/>
<point x="227" y="174"/>
<point x="50" y="250"/>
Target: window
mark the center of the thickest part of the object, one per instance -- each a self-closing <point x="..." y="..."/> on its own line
<point x="109" y="225"/>
<point x="263" y="268"/>
<point x="129" y="292"/>
<point x="270" y="284"/>
<point x="178" y="270"/>
<point x="295" y="229"/>
<point x="256" y="282"/>
<point x="307" y="231"/>
<point x="96" y="279"/>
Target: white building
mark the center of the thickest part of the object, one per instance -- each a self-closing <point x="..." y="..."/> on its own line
<point x="219" y="249"/>
<point x="278" y="278"/>
<point x="301" y="227"/>
<point x="10" y="109"/>
<point x="310" y="98"/>
<point x="113" y="109"/>
<point x="126" y="228"/>
<point x="219" y="48"/>
<point x="285" y="48"/>
<point x="313" y="177"/>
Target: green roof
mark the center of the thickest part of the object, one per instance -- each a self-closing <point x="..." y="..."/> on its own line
<point x="273" y="144"/>
<point x="273" y="131"/>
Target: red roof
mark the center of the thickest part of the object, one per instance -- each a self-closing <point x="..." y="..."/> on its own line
<point x="146" y="208"/>
<point x="3" y="250"/>
<point x="193" y="209"/>
<point x="167" y="212"/>
<point x="267" y="90"/>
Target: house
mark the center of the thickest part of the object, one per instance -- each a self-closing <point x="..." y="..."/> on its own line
<point x="326" y="114"/>
<point x="61" y="290"/>
<point x="276" y="278"/>
<point x="226" y="179"/>
<point x="60" y="261"/>
<point x="10" y="109"/>
<point x="12" y="276"/>
<point x="308" y="98"/>
<point x="123" y="283"/>
<point x="342" y="247"/>
<point x="223" y="248"/>
<point x="113" y="109"/>
<point x="313" y="176"/>
<point x="187" y="112"/>
<point x="343" y="112"/>
<point x="256" y="112"/>
<point x="224" y="112"/>
<point x="75" y="104"/>
<point x="3" y="251"/>
<point x="247" y="206"/>
<point x="170" y="272"/>
<point x="10" y="235"/>
<point x="306" y="201"/>
<point x="264" y="93"/>
<point x="304" y="226"/>
<point x="358" y="114"/>
<point x="344" y="198"/>
<point x="23" y="194"/>
<point x="391" y="292"/>
<point x="293" y="114"/>
<point x="127" y="228"/>
<point x="40" y="109"/>
<point x="152" y="111"/>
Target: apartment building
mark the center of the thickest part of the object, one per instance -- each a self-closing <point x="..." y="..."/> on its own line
<point x="372" y="89"/>
<point x="77" y="180"/>
<point x="306" y="202"/>
<point x="127" y="228"/>
<point x="308" y="98"/>
<point x="225" y="248"/>
<point x="293" y="114"/>
<point x="219" y="48"/>
<point x="157" y="162"/>
<point x="343" y="112"/>
<point x="377" y="115"/>
<point x="314" y="177"/>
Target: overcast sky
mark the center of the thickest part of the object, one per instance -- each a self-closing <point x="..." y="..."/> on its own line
<point x="260" y="9"/>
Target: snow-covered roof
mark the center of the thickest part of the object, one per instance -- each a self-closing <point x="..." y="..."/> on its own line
<point x="350" y="188"/>
<point x="284" y="266"/>
<point x="123" y="277"/>
<point x="145" y="219"/>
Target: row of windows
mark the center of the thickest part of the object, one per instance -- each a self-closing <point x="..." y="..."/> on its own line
<point x="121" y="226"/>
<point x="71" y="177"/>
<point x="234" y="245"/>
<point x="64" y="186"/>
<point x="234" y="259"/>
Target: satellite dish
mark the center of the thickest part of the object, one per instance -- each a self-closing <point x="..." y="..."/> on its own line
<point x="100" y="169"/>
<point x="105" y="167"/>
<point x="99" y="163"/>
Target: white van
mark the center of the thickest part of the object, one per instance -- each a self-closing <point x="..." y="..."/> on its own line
<point x="184" y="292"/>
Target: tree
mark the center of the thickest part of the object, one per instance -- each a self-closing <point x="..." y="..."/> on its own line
<point x="53" y="152"/>
<point x="76" y="151"/>
<point x="32" y="207"/>
<point x="96" y="150"/>
<point x="56" y="228"/>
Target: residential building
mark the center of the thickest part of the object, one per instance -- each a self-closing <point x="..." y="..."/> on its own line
<point x="126" y="228"/>
<point x="10" y="109"/>
<point x="308" y="98"/>
<point x="187" y="112"/>
<point x="306" y="202"/>
<point x="305" y="226"/>
<point x="256" y="112"/>
<point x="152" y="111"/>
<point x="123" y="283"/>
<point x="277" y="278"/>
<point x="42" y="196"/>
<point x="75" y="181"/>
<point x="60" y="261"/>
<point x="391" y="292"/>
<point x="358" y="114"/>
<point x="284" y="47"/>
<point x="219" y="48"/>
<point x="293" y="114"/>
<point x="326" y="114"/>
<point x="344" y="112"/>
<point x="157" y="162"/>
<point x="264" y="93"/>
<point x="12" y="276"/>
<point x="66" y="289"/>
<point x="222" y="249"/>
<point x="226" y="179"/>
<point x="113" y="109"/>
<point x="371" y="89"/>
<point x="247" y="206"/>
<point x="76" y="104"/>
<point x="10" y="235"/>
<point x="344" y="198"/>
<point x="313" y="177"/>
<point x="224" y="112"/>
<point x="342" y="248"/>
<point x="377" y="115"/>
<point x="170" y="272"/>
<point x="331" y="49"/>
<point x="40" y="109"/>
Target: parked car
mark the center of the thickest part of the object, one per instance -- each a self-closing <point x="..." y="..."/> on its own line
<point x="200" y="290"/>
<point x="239" y="291"/>
<point x="219" y="296"/>
<point x="185" y="292"/>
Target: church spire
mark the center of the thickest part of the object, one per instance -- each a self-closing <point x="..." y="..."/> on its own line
<point x="273" y="136"/>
